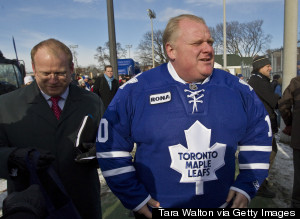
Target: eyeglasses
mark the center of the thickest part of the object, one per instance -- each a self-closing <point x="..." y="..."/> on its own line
<point x="55" y="74"/>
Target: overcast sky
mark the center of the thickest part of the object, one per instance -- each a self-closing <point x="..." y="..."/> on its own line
<point x="84" y="22"/>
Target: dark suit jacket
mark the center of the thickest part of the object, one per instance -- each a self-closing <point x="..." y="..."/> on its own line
<point x="26" y="120"/>
<point x="101" y="88"/>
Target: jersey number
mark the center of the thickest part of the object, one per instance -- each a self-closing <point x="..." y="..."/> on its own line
<point x="267" y="119"/>
<point x="103" y="131"/>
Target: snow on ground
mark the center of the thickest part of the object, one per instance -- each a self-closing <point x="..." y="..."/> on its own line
<point x="282" y="175"/>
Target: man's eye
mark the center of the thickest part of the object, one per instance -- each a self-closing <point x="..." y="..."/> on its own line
<point x="210" y="42"/>
<point x="197" y="43"/>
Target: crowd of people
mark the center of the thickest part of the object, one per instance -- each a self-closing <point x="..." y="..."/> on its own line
<point x="186" y="118"/>
<point x="86" y="82"/>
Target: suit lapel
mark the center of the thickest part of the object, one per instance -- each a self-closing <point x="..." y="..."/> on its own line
<point x="71" y="104"/>
<point x="38" y="105"/>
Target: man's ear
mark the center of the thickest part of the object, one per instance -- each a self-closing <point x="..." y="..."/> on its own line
<point x="72" y="68"/>
<point x="171" y="52"/>
<point x="33" y="68"/>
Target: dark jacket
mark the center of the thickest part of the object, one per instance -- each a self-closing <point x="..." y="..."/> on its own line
<point x="262" y="87"/>
<point x="289" y="106"/>
<point x="26" y="120"/>
<point x="101" y="88"/>
<point x="274" y="84"/>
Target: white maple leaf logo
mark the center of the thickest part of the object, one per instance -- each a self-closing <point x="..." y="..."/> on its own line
<point x="198" y="162"/>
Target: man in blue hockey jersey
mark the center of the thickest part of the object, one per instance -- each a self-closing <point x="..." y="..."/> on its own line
<point x="187" y="120"/>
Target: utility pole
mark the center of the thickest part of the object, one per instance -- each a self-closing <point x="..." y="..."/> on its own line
<point x="112" y="37"/>
<point x="152" y="15"/>
<point x="290" y="41"/>
<point x="128" y="47"/>
<point x="289" y="49"/>
<point x="72" y="48"/>
<point x="224" y="37"/>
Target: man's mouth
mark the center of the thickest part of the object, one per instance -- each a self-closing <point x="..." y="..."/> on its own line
<point x="53" y="87"/>
<point x="205" y="59"/>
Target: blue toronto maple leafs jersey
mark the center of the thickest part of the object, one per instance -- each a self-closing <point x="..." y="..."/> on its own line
<point x="186" y="137"/>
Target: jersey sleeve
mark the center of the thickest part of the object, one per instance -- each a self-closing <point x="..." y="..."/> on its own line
<point x="255" y="147"/>
<point x="114" y="146"/>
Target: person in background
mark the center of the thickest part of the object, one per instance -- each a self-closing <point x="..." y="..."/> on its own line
<point x="106" y="86"/>
<point x="91" y="83"/>
<point x="187" y="120"/>
<point x="274" y="82"/>
<point x="75" y="78"/>
<point x="240" y="76"/>
<point x="86" y="81"/>
<point x="81" y="83"/>
<point x="278" y="87"/>
<point x="289" y="106"/>
<point x="278" y="90"/>
<point x="45" y="116"/>
<point x="124" y="80"/>
<point x="120" y="80"/>
<point x="28" y="80"/>
<point x="260" y="82"/>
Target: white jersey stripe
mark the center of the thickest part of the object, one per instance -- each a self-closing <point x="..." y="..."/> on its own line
<point x="255" y="148"/>
<point x="118" y="171"/>
<point x="142" y="204"/>
<point x="113" y="154"/>
<point x="264" y="166"/>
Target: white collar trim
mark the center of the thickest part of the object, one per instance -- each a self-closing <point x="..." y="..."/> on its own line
<point x="176" y="77"/>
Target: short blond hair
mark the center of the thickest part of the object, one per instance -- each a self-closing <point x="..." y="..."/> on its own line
<point x="171" y="30"/>
<point x="55" y="47"/>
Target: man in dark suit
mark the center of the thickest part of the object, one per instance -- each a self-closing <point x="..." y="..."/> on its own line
<point x="46" y="115"/>
<point x="106" y="86"/>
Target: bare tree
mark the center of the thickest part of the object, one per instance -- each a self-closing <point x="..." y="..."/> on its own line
<point x="103" y="57"/>
<point x="145" y="48"/>
<point x="245" y="39"/>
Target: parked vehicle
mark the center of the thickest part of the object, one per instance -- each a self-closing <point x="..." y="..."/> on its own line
<point x="128" y="67"/>
<point x="12" y="73"/>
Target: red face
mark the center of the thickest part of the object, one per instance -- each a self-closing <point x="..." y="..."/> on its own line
<point x="52" y="73"/>
<point x="192" y="54"/>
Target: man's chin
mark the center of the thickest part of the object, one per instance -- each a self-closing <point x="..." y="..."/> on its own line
<point x="207" y="72"/>
<point x="53" y="92"/>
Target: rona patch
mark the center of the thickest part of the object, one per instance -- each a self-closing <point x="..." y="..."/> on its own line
<point x="160" y="98"/>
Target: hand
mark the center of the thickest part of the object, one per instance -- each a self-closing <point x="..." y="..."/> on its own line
<point x="287" y="130"/>
<point x="17" y="160"/>
<point x="239" y="200"/>
<point x="30" y="200"/>
<point x="145" y="210"/>
<point x="87" y="156"/>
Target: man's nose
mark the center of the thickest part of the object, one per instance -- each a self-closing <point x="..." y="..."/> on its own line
<point x="206" y="47"/>
<point x="53" y="77"/>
